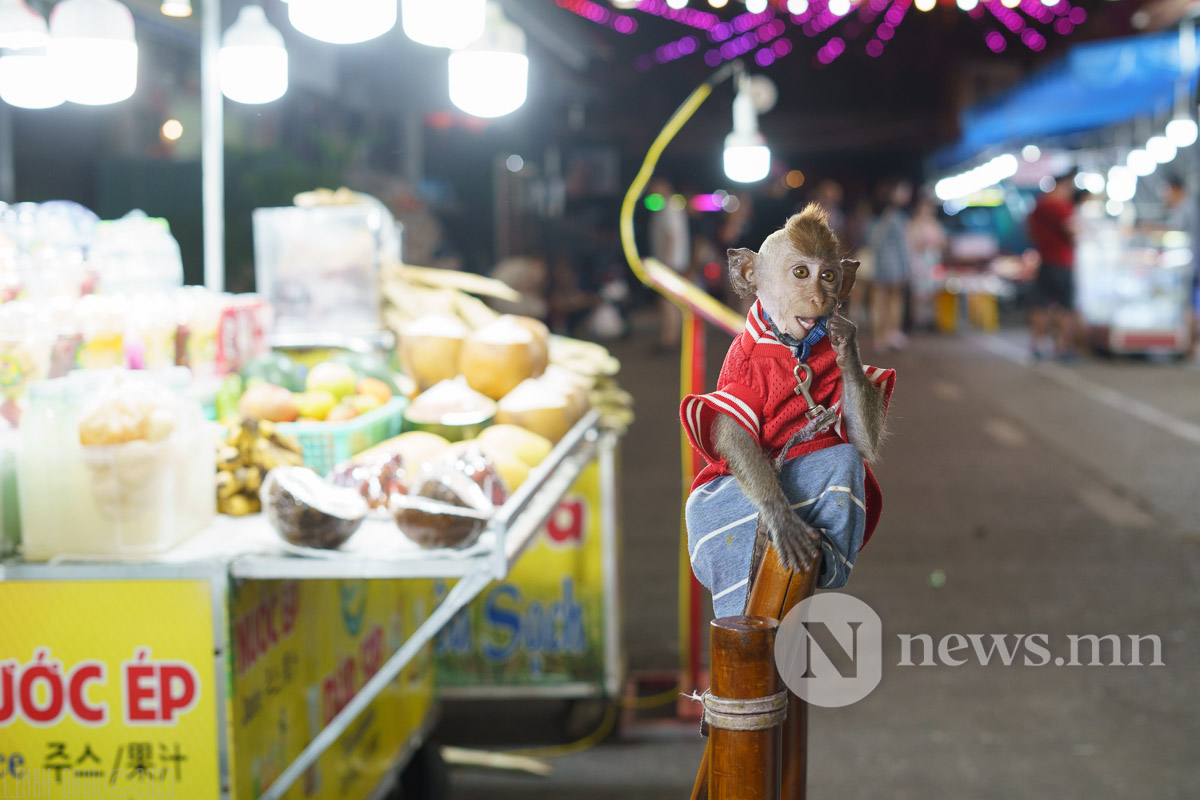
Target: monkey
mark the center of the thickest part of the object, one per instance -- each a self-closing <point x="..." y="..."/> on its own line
<point x="793" y="390"/>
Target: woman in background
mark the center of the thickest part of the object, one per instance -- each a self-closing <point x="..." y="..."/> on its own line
<point x="927" y="239"/>
<point x="893" y="268"/>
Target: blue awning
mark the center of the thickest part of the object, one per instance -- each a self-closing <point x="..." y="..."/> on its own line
<point x="1093" y="86"/>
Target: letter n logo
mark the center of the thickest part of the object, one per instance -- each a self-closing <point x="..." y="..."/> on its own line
<point x="829" y="649"/>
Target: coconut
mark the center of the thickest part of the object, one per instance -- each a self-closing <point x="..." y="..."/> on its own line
<point x="576" y="386"/>
<point x="308" y="511"/>
<point x="538" y="406"/>
<point x="541" y="340"/>
<point x="445" y="509"/>
<point x="452" y="410"/>
<point x="429" y="349"/>
<point x="498" y="356"/>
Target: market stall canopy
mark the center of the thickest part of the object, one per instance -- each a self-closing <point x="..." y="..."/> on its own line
<point x="1094" y="85"/>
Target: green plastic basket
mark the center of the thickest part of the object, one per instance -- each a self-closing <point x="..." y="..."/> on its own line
<point x="327" y="444"/>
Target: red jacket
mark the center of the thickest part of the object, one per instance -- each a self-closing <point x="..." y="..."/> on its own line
<point x="756" y="389"/>
<point x="1050" y="231"/>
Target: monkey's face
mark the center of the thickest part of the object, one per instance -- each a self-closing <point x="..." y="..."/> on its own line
<point x="796" y="289"/>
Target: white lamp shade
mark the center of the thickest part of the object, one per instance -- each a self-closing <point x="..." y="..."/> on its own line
<point x="1141" y="162"/>
<point x="1162" y="149"/>
<point x="342" y="21"/>
<point x="30" y="80"/>
<point x="21" y="26"/>
<point x="1182" y="131"/>
<point x="443" y="23"/>
<point x="488" y="83"/>
<point x="92" y="41"/>
<point x="253" y="59"/>
<point x="747" y="158"/>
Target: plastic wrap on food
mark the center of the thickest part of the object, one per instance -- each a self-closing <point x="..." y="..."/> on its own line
<point x="444" y="508"/>
<point x="377" y="480"/>
<point x="472" y="462"/>
<point x="308" y="511"/>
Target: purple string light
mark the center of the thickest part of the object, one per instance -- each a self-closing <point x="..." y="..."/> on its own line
<point x="995" y="41"/>
<point x="594" y="12"/>
<point x="686" y="16"/>
<point x="668" y="52"/>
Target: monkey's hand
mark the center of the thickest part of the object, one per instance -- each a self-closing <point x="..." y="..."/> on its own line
<point x="797" y="543"/>
<point x="843" y="336"/>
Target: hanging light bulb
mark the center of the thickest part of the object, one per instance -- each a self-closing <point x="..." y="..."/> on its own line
<point x="443" y="23"/>
<point x="1181" y="131"/>
<point x="756" y="6"/>
<point x="1141" y="162"/>
<point x="839" y="8"/>
<point x="677" y="4"/>
<point x="747" y="157"/>
<point x="490" y="78"/>
<point x="21" y="26"/>
<point x="92" y="41"/>
<point x="31" y="79"/>
<point x="176" y="8"/>
<point x="342" y="21"/>
<point x="1161" y="149"/>
<point x="253" y="60"/>
<point x="925" y="5"/>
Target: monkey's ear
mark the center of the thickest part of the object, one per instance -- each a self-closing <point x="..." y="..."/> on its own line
<point x="849" y="271"/>
<point x="742" y="263"/>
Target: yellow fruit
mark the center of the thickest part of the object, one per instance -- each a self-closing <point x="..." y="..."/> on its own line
<point x="341" y="412"/>
<point x="498" y="356"/>
<point x="516" y="442"/>
<point x="315" y="405"/>
<point x="362" y="403"/>
<point x="541" y="408"/>
<point x="329" y="376"/>
<point x="269" y="402"/>
<point x="429" y="349"/>
<point x="416" y="447"/>
<point x="373" y="387"/>
<point x="513" y="471"/>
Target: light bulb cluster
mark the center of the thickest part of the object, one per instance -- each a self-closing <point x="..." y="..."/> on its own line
<point x="86" y="55"/>
<point x="976" y="179"/>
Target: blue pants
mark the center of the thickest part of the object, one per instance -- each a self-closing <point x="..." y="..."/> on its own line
<point x="825" y="488"/>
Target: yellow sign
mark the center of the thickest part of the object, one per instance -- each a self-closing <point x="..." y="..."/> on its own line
<point x="544" y="624"/>
<point x="301" y="651"/>
<point x="106" y="690"/>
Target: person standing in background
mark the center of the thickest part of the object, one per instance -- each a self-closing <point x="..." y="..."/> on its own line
<point x="828" y="195"/>
<point x="893" y="268"/>
<point x="927" y="239"/>
<point x="1052" y="232"/>
<point x="671" y="244"/>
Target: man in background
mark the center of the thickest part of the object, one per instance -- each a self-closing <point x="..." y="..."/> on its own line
<point x="671" y="244"/>
<point x="1052" y="231"/>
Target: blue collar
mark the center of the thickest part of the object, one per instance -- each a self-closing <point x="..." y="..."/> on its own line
<point x="801" y="347"/>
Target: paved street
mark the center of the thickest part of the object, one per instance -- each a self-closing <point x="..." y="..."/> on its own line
<point x="1053" y="499"/>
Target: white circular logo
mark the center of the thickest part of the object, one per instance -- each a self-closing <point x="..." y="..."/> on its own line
<point x="829" y="649"/>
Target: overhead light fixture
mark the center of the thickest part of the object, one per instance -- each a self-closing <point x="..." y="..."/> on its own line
<point x="20" y="26"/>
<point x="1181" y="131"/>
<point x="925" y="5"/>
<point x="31" y="79"/>
<point x="797" y="7"/>
<point x="1162" y="149"/>
<point x="839" y="8"/>
<point x="747" y="157"/>
<point x="756" y="6"/>
<point x="1141" y="162"/>
<point x="342" y="21"/>
<point x="677" y="4"/>
<point x="1122" y="184"/>
<point x="253" y="60"/>
<point x="176" y="8"/>
<point x="443" y="23"/>
<point x="490" y="78"/>
<point x="92" y="41"/>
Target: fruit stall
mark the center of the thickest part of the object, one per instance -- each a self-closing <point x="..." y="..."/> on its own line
<point x="248" y="544"/>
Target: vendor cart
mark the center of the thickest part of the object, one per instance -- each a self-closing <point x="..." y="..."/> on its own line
<point x="1134" y="289"/>
<point x="234" y="667"/>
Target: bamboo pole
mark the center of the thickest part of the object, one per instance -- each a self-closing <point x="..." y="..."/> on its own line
<point x="772" y="595"/>
<point x="745" y="763"/>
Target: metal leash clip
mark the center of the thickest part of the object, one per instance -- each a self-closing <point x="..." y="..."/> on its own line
<point x="819" y="417"/>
